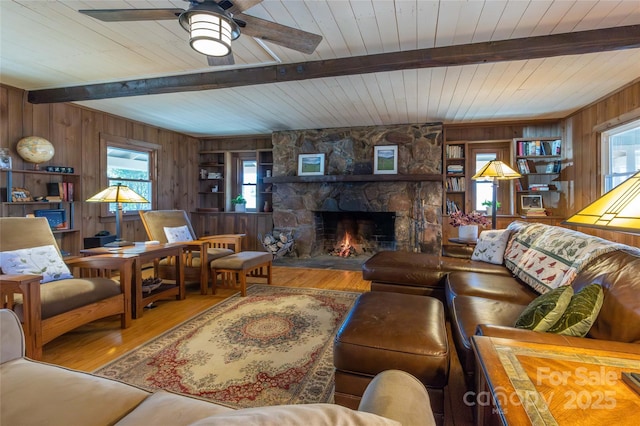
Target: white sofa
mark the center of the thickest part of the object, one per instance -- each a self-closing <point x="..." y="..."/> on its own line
<point x="37" y="393"/>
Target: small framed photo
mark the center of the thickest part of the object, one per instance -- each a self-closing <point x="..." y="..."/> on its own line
<point x="531" y="202"/>
<point x="310" y="164"/>
<point x="5" y="161"/>
<point x="20" y="195"/>
<point x="385" y="160"/>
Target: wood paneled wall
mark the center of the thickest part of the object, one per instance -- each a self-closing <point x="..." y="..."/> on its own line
<point x="75" y="133"/>
<point x="583" y="150"/>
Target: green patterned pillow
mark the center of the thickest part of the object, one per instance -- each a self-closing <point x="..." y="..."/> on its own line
<point x="581" y="312"/>
<point x="545" y="310"/>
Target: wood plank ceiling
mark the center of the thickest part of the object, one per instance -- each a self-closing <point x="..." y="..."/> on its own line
<point x="63" y="48"/>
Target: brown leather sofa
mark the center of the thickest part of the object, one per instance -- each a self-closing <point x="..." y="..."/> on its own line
<point x="480" y="294"/>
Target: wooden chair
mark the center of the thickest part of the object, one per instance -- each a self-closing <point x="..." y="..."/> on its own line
<point x="215" y="246"/>
<point x="51" y="309"/>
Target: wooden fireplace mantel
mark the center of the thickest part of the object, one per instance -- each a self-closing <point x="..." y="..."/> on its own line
<point x="354" y="178"/>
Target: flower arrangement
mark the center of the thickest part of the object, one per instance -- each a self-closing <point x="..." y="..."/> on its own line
<point x="473" y="218"/>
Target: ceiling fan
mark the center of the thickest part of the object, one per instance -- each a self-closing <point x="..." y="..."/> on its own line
<point x="212" y="26"/>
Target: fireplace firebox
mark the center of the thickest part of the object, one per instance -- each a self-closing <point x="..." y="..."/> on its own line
<point x="349" y="233"/>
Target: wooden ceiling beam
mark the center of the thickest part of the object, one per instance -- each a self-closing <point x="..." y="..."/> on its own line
<point x="576" y="43"/>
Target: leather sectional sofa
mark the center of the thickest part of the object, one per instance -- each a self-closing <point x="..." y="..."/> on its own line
<point x="486" y="298"/>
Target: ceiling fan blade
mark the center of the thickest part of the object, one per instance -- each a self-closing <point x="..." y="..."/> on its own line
<point x="242" y="5"/>
<point x="289" y="37"/>
<point x="115" y="15"/>
<point x="221" y="60"/>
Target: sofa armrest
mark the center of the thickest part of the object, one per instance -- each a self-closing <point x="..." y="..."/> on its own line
<point x="12" y="343"/>
<point x="399" y="396"/>
<point x="554" y="339"/>
<point x="457" y="250"/>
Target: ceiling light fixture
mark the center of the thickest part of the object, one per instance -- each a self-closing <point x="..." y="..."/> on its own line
<point x="210" y="28"/>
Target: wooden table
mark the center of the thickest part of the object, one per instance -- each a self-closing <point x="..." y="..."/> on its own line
<point x="145" y="254"/>
<point x="464" y="241"/>
<point x="521" y="383"/>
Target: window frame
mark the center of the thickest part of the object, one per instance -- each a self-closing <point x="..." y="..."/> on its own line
<point x="605" y="152"/>
<point x="503" y="148"/>
<point x="151" y="149"/>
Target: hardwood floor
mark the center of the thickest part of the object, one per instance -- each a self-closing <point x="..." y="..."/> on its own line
<point x="91" y="346"/>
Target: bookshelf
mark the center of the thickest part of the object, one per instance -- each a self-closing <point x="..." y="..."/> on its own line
<point x="539" y="160"/>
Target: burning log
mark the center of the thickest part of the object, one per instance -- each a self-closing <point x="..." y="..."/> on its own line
<point x="344" y="248"/>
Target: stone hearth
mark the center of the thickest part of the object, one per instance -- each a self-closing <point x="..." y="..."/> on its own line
<point x="349" y="151"/>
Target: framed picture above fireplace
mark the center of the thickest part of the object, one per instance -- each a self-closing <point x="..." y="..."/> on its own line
<point x="310" y="164"/>
<point x="385" y="160"/>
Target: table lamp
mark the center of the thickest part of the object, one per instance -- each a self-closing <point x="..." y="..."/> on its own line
<point x="119" y="194"/>
<point x="617" y="210"/>
<point x="495" y="170"/>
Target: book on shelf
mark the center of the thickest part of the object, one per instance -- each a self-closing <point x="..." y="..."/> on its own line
<point x="452" y="207"/>
<point x="536" y="212"/>
<point x="455" y="169"/>
<point x="455" y="151"/>
<point x="518" y="185"/>
<point x="456" y="184"/>
<point x="539" y="147"/>
<point x="60" y="191"/>
<point x="538" y="187"/>
<point x="526" y="166"/>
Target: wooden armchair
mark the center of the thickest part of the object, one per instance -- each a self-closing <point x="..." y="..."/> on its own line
<point x="51" y="309"/>
<point x="216" y="246"/>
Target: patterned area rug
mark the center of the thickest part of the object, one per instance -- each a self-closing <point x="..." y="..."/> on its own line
<point x="274" y="346"/>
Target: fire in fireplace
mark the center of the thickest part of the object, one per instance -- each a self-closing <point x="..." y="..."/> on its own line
<point x="348" y="234"/>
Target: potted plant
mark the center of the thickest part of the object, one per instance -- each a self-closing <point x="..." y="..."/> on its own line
<point x="468" y="223"/>
<point x="489" y="205"/>
<point x="239" y="203"/>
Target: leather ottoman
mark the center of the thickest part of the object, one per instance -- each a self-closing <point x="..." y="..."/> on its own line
<point x="385" y="331"/>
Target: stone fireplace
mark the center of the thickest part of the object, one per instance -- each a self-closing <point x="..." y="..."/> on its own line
<point x="411" y="200"/>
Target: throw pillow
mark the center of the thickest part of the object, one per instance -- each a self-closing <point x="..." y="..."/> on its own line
<point x="545" y="310"/>
<point x="177" y="234"/>
<point x="491" y="245"/>
<point x="45" y="261"/>
<point x="581" y="312"/>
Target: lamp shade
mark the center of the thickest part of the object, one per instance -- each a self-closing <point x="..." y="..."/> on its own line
<point x="617" y="210"/>
<point x="117" y="194"/>
<point x="496" y="169"/>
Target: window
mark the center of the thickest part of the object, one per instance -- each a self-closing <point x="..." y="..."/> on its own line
<point x="130" y="168"/>
<point x="621" y="154"/>
<point x="130" y="163"/>
<point x="484" y="188"/>
<point x="249" y="182"/>
<point x="481" y="153"/>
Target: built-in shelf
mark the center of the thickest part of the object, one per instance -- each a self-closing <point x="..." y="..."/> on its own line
<point x="354" y="178"/>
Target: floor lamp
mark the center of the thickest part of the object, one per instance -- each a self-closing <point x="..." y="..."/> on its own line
<point x="119" y="194"/>
<point x="617" y="210"/>
<point x="495" y="170"/>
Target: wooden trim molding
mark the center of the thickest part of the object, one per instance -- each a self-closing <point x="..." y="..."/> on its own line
<point x="354" y="178"/>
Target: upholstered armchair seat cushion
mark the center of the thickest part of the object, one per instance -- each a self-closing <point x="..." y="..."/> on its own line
<point x="212" y="254"/>
<point x="62" y="296"/>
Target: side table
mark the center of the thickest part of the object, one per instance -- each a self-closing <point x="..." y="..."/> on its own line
<point x="521" y="383"/>
<point x="142" y="255"/>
